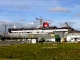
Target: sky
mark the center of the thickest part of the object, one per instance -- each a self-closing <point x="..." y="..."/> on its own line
<point x="23" y="13"/>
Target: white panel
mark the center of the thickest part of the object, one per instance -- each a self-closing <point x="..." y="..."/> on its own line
<point x="35" y="31"/>
<point x="53" y="39"/>
<point x="33" y="40"/>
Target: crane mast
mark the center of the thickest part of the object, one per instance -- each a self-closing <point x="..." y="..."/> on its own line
<point x="40" y="22"/>
<point x="5" y="27"/>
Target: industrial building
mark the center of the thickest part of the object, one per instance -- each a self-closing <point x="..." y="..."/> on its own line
<point x="44" y="33"/>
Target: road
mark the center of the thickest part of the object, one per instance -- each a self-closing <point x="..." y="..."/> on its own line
<point x="10" y="42"/>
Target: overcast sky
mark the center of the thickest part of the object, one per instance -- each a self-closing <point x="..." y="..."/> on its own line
<point x="23" y="12"/>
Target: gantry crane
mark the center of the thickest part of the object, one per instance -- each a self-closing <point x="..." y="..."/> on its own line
<point x="3" y="38"/>
<point x="5" y="27"/>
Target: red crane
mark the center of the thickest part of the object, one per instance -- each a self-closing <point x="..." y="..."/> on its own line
<point x="41" y="21"/>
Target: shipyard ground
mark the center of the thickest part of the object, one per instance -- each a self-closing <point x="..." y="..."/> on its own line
<point x="40" y="51"/>
<point x="9" y="42"/>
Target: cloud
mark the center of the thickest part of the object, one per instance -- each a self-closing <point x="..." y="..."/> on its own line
<point x="22" y="19"/>
<point x="13" y="5"/>
<point x="6" y="22"/>
<point x="23" y="7"/>
<point x="56" y="3"/>
<point x="17" y="24"/>
<point x="74" y="23"/>
<point x="70" y="23"/>
<point x="2" y="25"/>
<point x="77" y="6"/>
<point x="9" y="25"/>
<point x="59" y="9"/>
<point x="31" y="24"/>
<point x="77" y="15"/>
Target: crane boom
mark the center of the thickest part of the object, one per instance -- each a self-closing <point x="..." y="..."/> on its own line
<point x="41" y="20"/>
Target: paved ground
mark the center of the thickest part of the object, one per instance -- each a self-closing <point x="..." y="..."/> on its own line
<point x="10" y="42"/>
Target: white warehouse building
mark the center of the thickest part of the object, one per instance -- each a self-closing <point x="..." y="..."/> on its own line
<point x="73" y="37"/>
